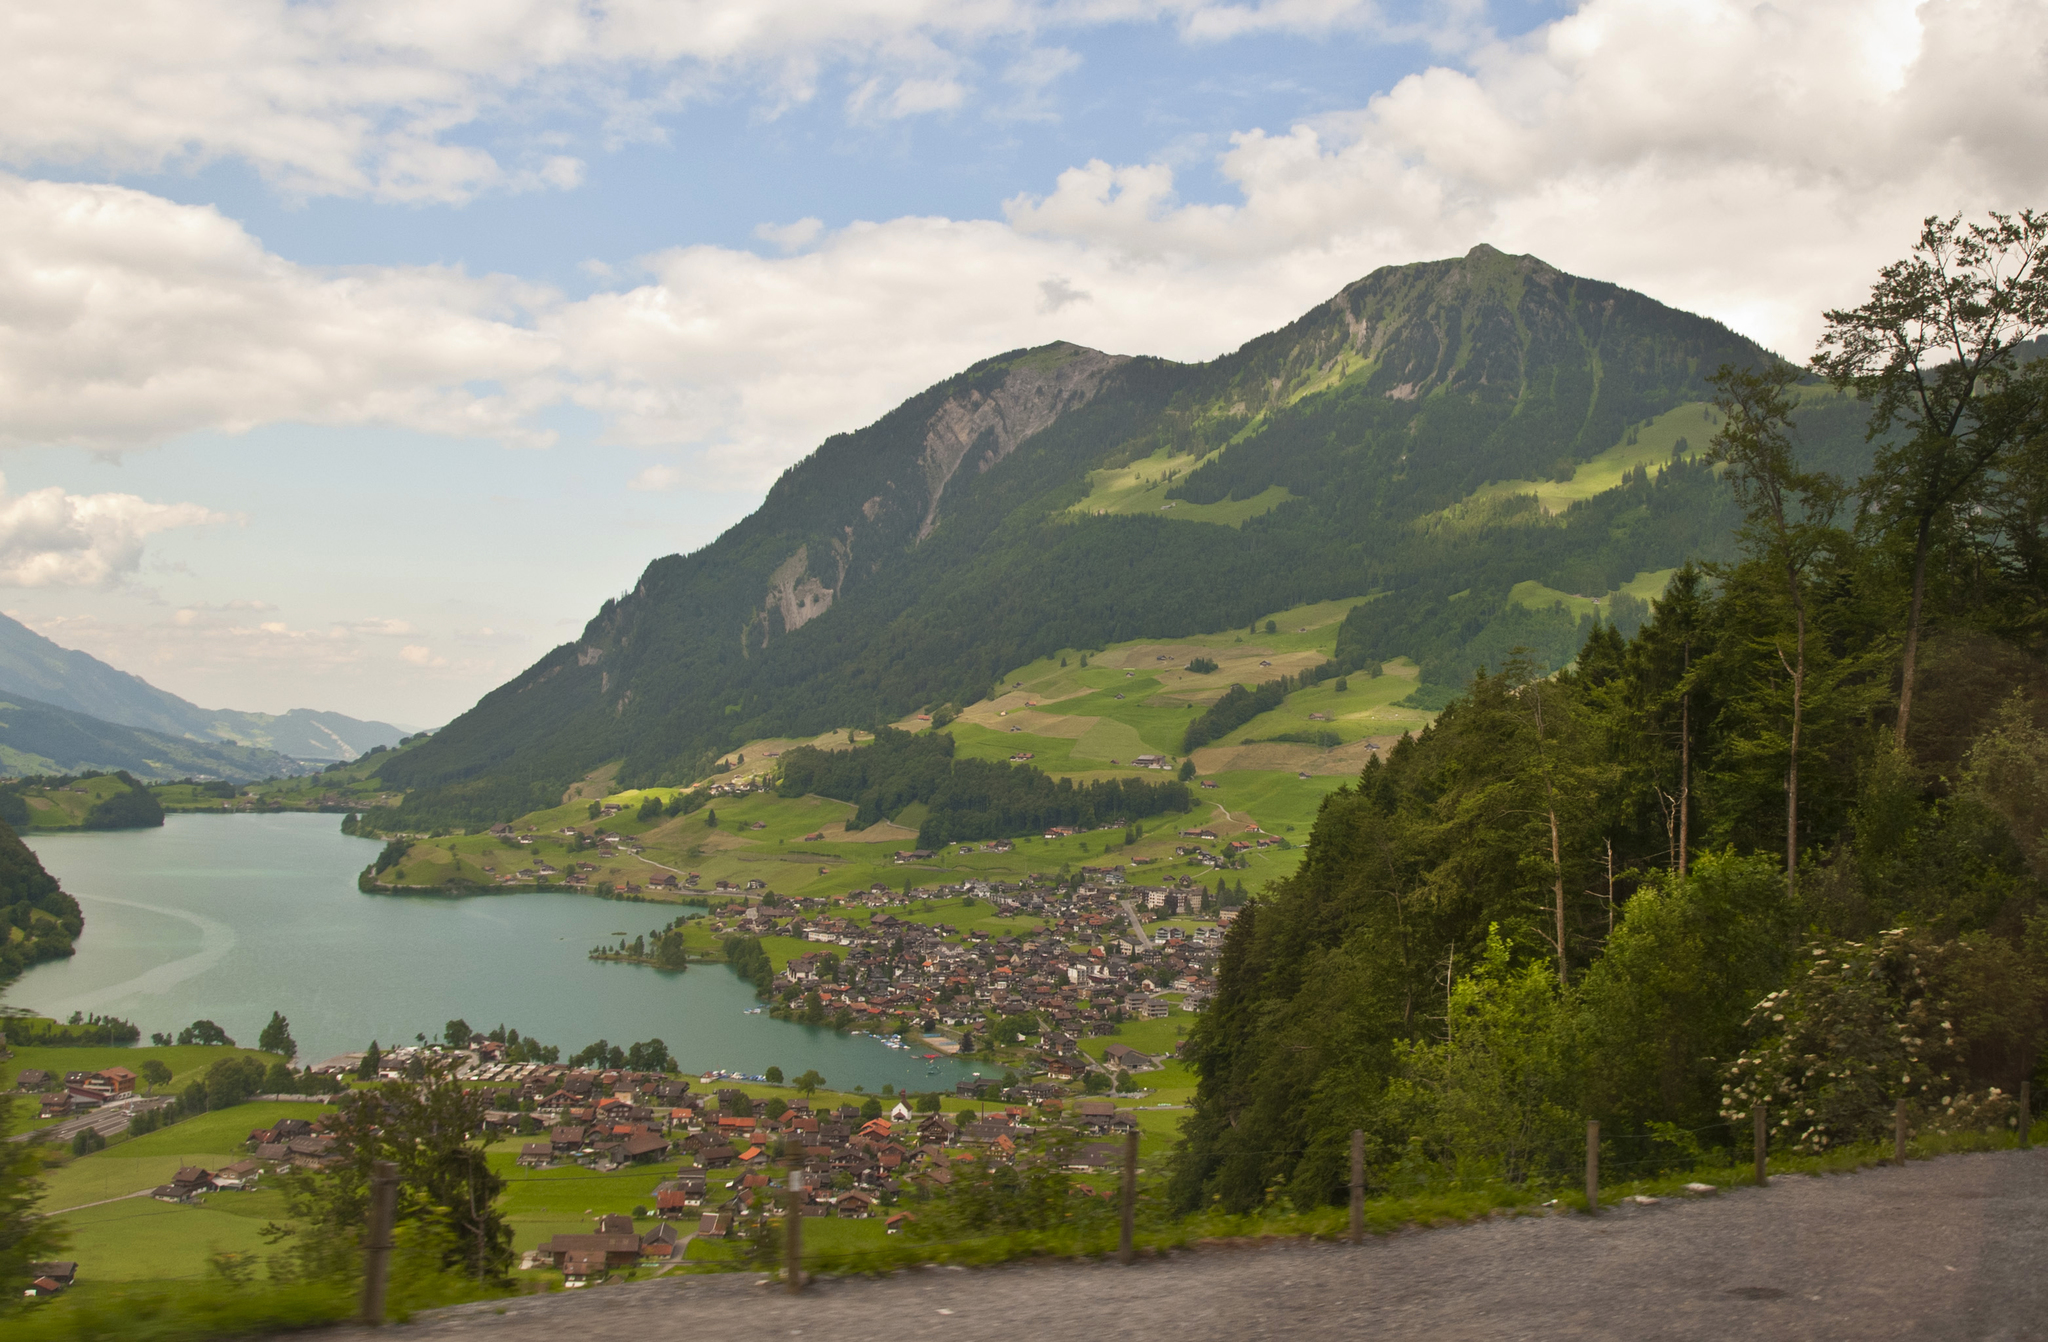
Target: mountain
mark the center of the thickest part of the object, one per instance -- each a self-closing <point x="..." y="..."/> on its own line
<point x="66" y="678"/>
<point x="39" y="738"/>
<point x="1395" y="443"/>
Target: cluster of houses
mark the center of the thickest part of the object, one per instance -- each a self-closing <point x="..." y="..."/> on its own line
<point x="294" y="1143"/>
<point x="190" y="1182"/>
<point x="735" y="1154"/>
<point x="1089" y="969"/>
<point x="75" y="1092"/>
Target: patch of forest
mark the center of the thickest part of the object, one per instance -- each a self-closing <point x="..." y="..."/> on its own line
<point x="967" y="799"/>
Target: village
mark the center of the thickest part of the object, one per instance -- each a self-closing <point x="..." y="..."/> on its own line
<point x="1081" y="962"/>
<point x="716" y="1160"/>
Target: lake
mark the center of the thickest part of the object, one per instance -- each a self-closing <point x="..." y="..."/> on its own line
<point x="228" y="918"/>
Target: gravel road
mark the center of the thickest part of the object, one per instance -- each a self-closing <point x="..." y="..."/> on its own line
<point x="1950" y="1248"/>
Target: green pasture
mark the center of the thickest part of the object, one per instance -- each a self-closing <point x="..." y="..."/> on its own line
<point x="189" y="797"/>
<point x="540" y="1204"/>
<point x="1153" y="1037"/>
<point x="980" y="916"/>
<point x="141" y="1239"/>
<point x="65" y="807"/>
<point x="1074" y="725"/>
<point x="1142" y="487"/>
<point x="131" y="1163"/>
<point x="1656" y="444"/>
<point x="1354" y="713"/>
<point x="1647" y="585"/>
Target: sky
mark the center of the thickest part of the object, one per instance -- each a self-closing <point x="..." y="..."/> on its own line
<point x="351" y="354"/>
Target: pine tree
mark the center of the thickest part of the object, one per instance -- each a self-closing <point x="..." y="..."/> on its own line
<point x="277" y="1038"/>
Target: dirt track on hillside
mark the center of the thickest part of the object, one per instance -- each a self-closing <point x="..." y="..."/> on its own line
<point x="1952" y="1248"/>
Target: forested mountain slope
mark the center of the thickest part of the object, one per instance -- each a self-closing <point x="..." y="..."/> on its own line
<point x="69" y="679"/>
<point x="1063" y="498"/>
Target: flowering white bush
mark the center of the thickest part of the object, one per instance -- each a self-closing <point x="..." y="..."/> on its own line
<point x="1858" y="1028"/>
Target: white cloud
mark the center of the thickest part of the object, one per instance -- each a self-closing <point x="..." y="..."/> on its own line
<point x="126" y="319"/>
<point x="49" y="538"/>
<point x="791" y="237"/>
<point x="371" y="97"/>
<point x="1754" y="163"/>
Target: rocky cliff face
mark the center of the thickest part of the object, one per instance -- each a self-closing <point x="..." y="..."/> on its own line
<point x="1037" y="391"/>
<point x="977" y="425"/>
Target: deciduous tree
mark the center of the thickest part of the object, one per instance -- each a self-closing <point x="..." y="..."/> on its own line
<point x="1934" y="349"/>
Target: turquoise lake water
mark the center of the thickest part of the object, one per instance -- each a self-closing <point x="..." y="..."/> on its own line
<point x="228" y="918"/>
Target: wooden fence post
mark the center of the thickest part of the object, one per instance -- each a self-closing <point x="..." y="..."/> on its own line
<point x="1127" y="1248"/>
<point x="1592" y="1166"/>
<point x="1899" y="1131"/>
<point x="1357" y="1186"/>
<point x="2026" y="1114"/>
<point x="1763" y="1175"/>
<point x="795" y="1266"/>
<point x="377" y="1239"/>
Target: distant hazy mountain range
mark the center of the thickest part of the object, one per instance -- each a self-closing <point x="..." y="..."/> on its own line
<point x="68" y="710"/>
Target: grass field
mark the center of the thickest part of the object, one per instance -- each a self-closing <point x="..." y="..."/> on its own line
<point x="1647" y="585"/>
<point x="129" y="1163"/>
<point x="1656" y="444"/>
<point x="1142" y="487"/>
<point x="1079" y="722"/>
<point x="65" y="807"/>
<point x="141" y="1239"/>
<point x="127" y="1238"/>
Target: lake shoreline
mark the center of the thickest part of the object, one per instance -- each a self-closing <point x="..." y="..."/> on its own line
<point x="228" y="923"/>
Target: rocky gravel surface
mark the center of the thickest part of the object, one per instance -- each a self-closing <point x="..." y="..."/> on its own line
<point x="1949" y="1248"/>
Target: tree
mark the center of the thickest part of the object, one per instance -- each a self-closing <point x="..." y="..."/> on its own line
<point x="650" y="1055"/>
<point x="773" y="1076"/>
<point x="1660" y="677"/>
<point x="25" y="1234"/>
<point x="233" y="1080"/>
<point x="447" y="1191"/>
<point x="871" y="1109"/>
<point x="372" y="1061"/>
<point x="809" y="1083"/>
<point x="457" y="1033"/>
<point x="1933" y="348"/>
<point x="710" y="818"/>
<point x="204" y="1032"/>
<point x="1789" y="522"/>
<point x="153" y="1074"/>
<point x="1532" y="693"/>
<point x="1187" y="770"/>
<point x="277" y="1038"/>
